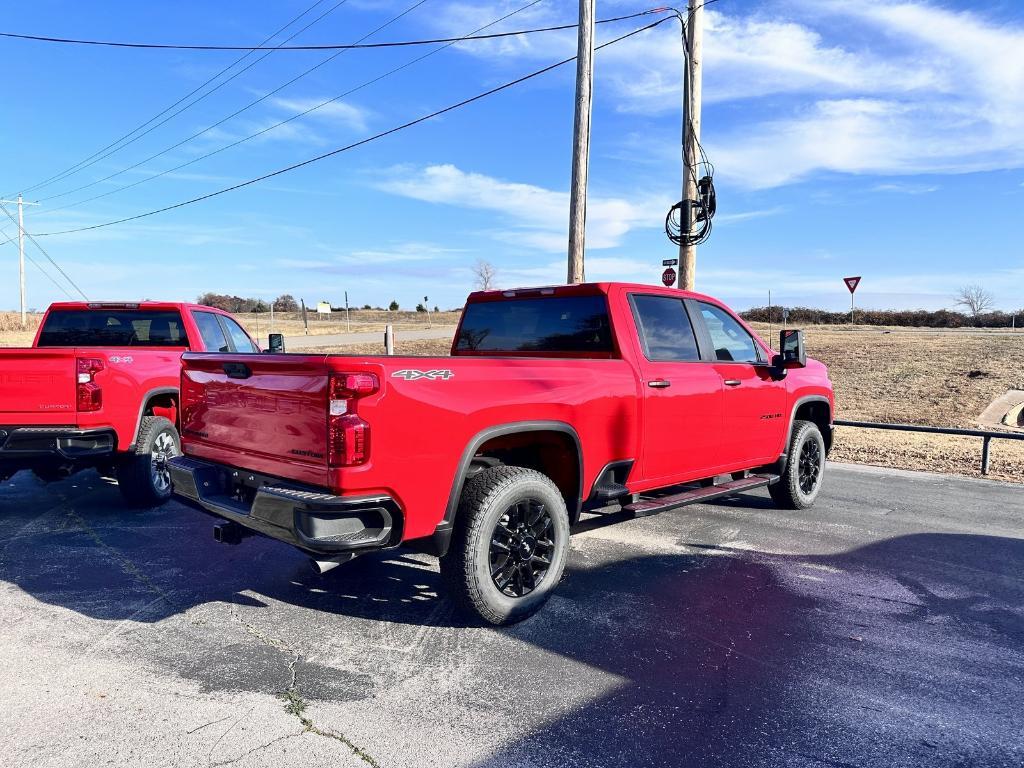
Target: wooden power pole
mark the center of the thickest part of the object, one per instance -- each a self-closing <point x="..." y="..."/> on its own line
<point x="21" y="251"/>
<point x="581" y="141"/>
<point x="691" y="132"/>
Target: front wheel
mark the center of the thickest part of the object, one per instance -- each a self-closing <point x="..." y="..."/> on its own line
<point x="509" y="546"/>
<point x="800" y="484"/>
<point x="143" y="475"/>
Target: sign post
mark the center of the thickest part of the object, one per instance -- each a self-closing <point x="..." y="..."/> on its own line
<point x="851" y="285"/>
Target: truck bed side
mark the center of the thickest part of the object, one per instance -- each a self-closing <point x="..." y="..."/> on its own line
<point x="425" y="416"/>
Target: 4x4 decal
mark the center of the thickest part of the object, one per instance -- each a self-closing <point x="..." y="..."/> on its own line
<point x="411" y="374"/>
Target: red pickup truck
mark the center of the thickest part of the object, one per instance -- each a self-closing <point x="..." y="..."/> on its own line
<point x="554" y="402"/>
<point x="99" y="388"/>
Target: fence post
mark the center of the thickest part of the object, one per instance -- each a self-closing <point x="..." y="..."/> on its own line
<point x="389" y="340"/>
<point x="984" y="454"/>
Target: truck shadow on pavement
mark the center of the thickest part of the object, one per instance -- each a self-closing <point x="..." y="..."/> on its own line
<point x="908" y="650"/>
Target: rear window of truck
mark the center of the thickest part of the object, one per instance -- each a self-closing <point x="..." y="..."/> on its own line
<point x="113" y="328"/>
<point x="577" y="324"/>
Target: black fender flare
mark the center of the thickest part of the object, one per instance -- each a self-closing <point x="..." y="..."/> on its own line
<point x="145" y="401"/>
<point x="780" y="465"/>
<point x="438" y="543"/>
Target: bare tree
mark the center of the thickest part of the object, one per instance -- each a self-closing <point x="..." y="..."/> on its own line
<point x="484" y="274"/>
<point x="975" y="300"/>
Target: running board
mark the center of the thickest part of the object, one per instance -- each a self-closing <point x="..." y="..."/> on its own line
<point x="649" y="507"/>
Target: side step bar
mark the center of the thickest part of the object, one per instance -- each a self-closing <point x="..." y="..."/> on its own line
<point x="647" y="507"/>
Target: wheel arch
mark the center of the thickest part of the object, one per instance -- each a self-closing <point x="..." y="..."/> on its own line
<point x="814" y="408"/>
<point x="515" y="439"/>
<point x="163" y="398"/>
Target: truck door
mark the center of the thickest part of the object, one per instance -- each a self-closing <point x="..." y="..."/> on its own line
<point x="753" y="402"/>
<point x="682" y="407"/>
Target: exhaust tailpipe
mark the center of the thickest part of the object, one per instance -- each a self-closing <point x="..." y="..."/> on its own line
<point x="322" y="566"/>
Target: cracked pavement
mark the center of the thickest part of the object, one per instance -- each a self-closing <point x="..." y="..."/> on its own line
<point x="884" y="627"/>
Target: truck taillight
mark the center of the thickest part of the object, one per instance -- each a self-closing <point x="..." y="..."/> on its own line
<point x="89" y="394"/>
<point x="348" y="436"/>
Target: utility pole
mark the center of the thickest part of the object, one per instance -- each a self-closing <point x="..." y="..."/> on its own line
<point x="21" y="251"/>
<point x="581" y="141"/>
<point x="691" y="133"/>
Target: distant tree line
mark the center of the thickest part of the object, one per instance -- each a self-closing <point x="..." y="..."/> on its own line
<point x="284" y="303"/>
<point x="940" y="318"/>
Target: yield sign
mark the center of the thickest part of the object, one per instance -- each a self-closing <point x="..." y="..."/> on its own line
<point x="852" y="283"/>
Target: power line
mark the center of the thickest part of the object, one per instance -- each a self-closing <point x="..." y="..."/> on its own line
<point x="45" y="273"/>
<point x="43" y="251"/>
<point x="298" y="115"/>
<point x="325" y="47"/>
<point x="239" y="111"/>
<point x="113" y="147"/>
<point x="359" y="143"/>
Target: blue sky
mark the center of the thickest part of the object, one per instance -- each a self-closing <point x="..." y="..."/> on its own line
<point x="879" y="139"/>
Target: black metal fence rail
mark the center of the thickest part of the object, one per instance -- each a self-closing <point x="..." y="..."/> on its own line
<point x="987" y="436"/>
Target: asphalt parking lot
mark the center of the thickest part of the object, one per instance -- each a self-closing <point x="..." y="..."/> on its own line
<point x="883" y="628"/>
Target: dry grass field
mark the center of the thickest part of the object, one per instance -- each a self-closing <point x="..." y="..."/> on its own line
<point x="290" y="323"/>
<point x="258" y="325"/>
<point x="11" y="332"/>
<point x="943" y="380"/>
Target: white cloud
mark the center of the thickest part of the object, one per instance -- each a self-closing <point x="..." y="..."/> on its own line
<point x="539" y="216"/>
<point x="342" y="113"/>
<point x="906" y="188"/>
<point x="871" y="88"/>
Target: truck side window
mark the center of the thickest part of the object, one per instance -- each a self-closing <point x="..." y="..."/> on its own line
<point x="665" y="329"/>
<point x="731" y="341"/>
<point x="239" y="338"/>
<point x="212" y="333"/>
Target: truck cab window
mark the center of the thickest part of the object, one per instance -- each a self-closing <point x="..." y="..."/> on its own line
<point x="665" y="329"/>
<point x="730" y="340"/>
<point x="211" y="332"/>
<point x="239" y="338"/>
<point x="114" y="327"/>
<point x="575" y="324"/>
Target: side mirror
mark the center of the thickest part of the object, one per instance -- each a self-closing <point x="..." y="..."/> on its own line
<point x="791" y="347"/>
<point x="276" y="341"/>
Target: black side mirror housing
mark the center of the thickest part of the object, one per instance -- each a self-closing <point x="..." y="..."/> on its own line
<point x="791" y="347"/>
<point x="276" y="341"/>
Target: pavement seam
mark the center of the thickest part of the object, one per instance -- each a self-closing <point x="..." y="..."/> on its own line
<point x="294" y="703"/>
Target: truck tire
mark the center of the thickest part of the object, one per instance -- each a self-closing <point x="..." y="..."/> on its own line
<point x="142" y="475"/>
<point x="509" y="545"/>
<point x="805" y="469"/>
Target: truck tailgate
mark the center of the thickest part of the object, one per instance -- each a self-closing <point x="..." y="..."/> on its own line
<point x="35" y="382"/>
<point x="257" y="411"/>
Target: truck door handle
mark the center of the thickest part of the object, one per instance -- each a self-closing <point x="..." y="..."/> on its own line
<point x="237" y="370"/>
<point x="732" y="382"/>
<point x="659" y="384"/>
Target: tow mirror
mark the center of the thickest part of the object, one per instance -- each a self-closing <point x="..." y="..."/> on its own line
<point x="791" y="347"/>
<point x="276" y="341"/>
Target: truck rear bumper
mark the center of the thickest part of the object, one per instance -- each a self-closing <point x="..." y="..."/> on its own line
<point x="315" y="521"/>
<point x="25" y="447"/>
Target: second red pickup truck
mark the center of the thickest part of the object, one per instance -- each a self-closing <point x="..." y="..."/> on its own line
<point x="99" y="389"/>
<point x="554" y="402"/>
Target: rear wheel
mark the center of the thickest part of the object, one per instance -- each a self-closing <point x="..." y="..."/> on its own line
<point x="805" y="469"/>
<point x="509" y="546"/>
<point x="143" y="476"/>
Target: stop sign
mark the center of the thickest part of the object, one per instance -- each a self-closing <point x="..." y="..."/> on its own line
<point x="668" y="277"/>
